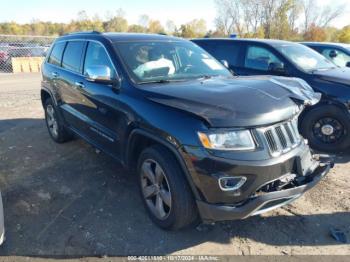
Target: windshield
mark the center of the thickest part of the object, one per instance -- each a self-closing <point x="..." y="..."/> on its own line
<point x="305" y="58"/>
<point x="153" y="61"/>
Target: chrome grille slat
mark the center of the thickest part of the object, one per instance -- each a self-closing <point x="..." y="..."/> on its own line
<point x="277" y="140"/>
<point x="289" y="133"/>
<point x="281" y="138"/>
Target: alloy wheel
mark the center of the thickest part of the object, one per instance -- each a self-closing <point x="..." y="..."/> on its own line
<point x="155" y="189"/>
<point x="51" y="120"/>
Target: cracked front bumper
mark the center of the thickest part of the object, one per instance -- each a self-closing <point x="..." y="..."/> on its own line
<point x="260" y="204"/>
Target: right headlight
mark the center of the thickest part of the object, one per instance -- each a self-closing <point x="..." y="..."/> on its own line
<point x="227" y="140"/>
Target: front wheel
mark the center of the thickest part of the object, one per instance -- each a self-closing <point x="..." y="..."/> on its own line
<point x="327" y="128"/>
<point x="164" y="189"/>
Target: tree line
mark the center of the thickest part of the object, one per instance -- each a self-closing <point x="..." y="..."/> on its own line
<point x="295" y="20"/>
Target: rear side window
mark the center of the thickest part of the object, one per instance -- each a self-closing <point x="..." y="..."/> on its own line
<point x="56" y="54"/>
<point x="73" y="55"/>
<point x="225" y="51"/>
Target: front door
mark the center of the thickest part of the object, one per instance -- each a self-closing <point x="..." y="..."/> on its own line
<point x="101" y="102"/>
<point x="259" y="60"/>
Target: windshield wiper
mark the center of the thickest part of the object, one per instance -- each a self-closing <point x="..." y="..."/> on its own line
<point x="161" y="81"/>
<point x="323" y="69"/>
<point x="205" y="77"/>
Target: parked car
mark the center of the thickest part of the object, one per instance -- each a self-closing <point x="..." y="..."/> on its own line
<point x="338" y="53"/>
<point x="13" y="52"/>
<point x="327" y="124"/>
<point x="167" y="110"/>
<point x="3" y="56"/>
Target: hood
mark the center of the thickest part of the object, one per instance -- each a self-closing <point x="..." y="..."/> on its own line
<point x="337" y="75"/>
<point x="237" y="102"/>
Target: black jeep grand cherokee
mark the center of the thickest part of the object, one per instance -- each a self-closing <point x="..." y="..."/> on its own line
<point x="206" y="145"/>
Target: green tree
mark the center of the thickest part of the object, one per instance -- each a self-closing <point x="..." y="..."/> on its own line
<point x="137" y="29"/>
<point x="195" y="28"/>
<point x="155" y="27"/>
<point x="315" y="33"/>
<point x="344" y="35"/>
<point x="116" y="24"/>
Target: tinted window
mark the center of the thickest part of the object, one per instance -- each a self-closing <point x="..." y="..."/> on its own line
<point x="56" y="54"/>
<point x="72" y="55"/>
<point x="260" y="58"/>
<point x="223" y="51"/>
<point x="96" y="56"/>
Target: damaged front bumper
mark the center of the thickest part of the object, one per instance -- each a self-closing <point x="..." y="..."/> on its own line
<point x="259" y="204"/>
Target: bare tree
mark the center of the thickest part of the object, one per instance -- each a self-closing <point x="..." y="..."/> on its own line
<point x="320" y="16"/>
<point x="144" y="20"/>
<point x="252" y="15"/>
<point x="229" y="16"/>
<point x="170" y="26"/>
<point x="329" y="14"/>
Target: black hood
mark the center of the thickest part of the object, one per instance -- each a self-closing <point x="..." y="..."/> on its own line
<point x="337" y="75"/>
<point x="238" y="102"/>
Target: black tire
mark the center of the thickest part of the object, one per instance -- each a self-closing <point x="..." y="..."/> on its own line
<point x="61" y="133"/>
<point x="183" y="211"/>
<point x="312" y="124"/>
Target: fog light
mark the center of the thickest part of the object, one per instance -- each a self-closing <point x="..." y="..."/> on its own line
<point x="231" y="183"/>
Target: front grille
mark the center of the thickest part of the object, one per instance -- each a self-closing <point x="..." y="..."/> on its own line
<point x="281" y="138"/>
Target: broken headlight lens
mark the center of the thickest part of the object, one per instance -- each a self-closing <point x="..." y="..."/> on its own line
<point x="227" y="140"/>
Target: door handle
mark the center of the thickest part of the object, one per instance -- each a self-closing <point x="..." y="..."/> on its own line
<point x="54" y="74"/>
<point x="79" y="84"/>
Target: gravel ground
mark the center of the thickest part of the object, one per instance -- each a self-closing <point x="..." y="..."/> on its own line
<point x="71" y="201"/>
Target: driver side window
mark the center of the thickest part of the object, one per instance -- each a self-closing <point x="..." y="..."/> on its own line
<point x="260" y="58"/>
<point x="96" y="56"/>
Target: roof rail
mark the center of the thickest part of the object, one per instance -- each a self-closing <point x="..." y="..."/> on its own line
<point x="85" y="32"/>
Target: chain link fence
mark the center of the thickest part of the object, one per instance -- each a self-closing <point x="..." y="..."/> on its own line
<point x="23" y="53"/>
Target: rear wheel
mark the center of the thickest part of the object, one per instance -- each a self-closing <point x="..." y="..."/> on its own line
<point x="54" y="123"/>
<point x="164" y="189"/>
<point x="327" y="129"/>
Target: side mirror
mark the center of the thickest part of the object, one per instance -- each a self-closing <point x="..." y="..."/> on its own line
<point x="333" y="54"/>
<point x="348" y="64"/>
<point x="277" y="68"/>
<point x="225" y="63"/>
<point x="98" y="73"/>
<point x="101" y="74"/>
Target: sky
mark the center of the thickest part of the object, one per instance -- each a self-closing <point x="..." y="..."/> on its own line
<point x="180" y="11"/>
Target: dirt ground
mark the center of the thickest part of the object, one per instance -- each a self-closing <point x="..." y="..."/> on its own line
<point x="70" y="201"/>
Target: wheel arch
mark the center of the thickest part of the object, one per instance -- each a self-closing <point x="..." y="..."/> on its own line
<point x="337" y="104"/>
<point x="45" y="94"/>
<point x="140" y="139"/>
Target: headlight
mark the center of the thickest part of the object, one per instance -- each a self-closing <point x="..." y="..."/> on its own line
<point x="228" y="140"/>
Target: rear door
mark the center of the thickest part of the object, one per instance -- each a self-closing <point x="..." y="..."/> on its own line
<point x="52" y="67"/>
<point x="69" y="81"/>
<point x="228" y="51"/>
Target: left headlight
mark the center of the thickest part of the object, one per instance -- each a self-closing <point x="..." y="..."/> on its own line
<point x="227" y="140"/>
